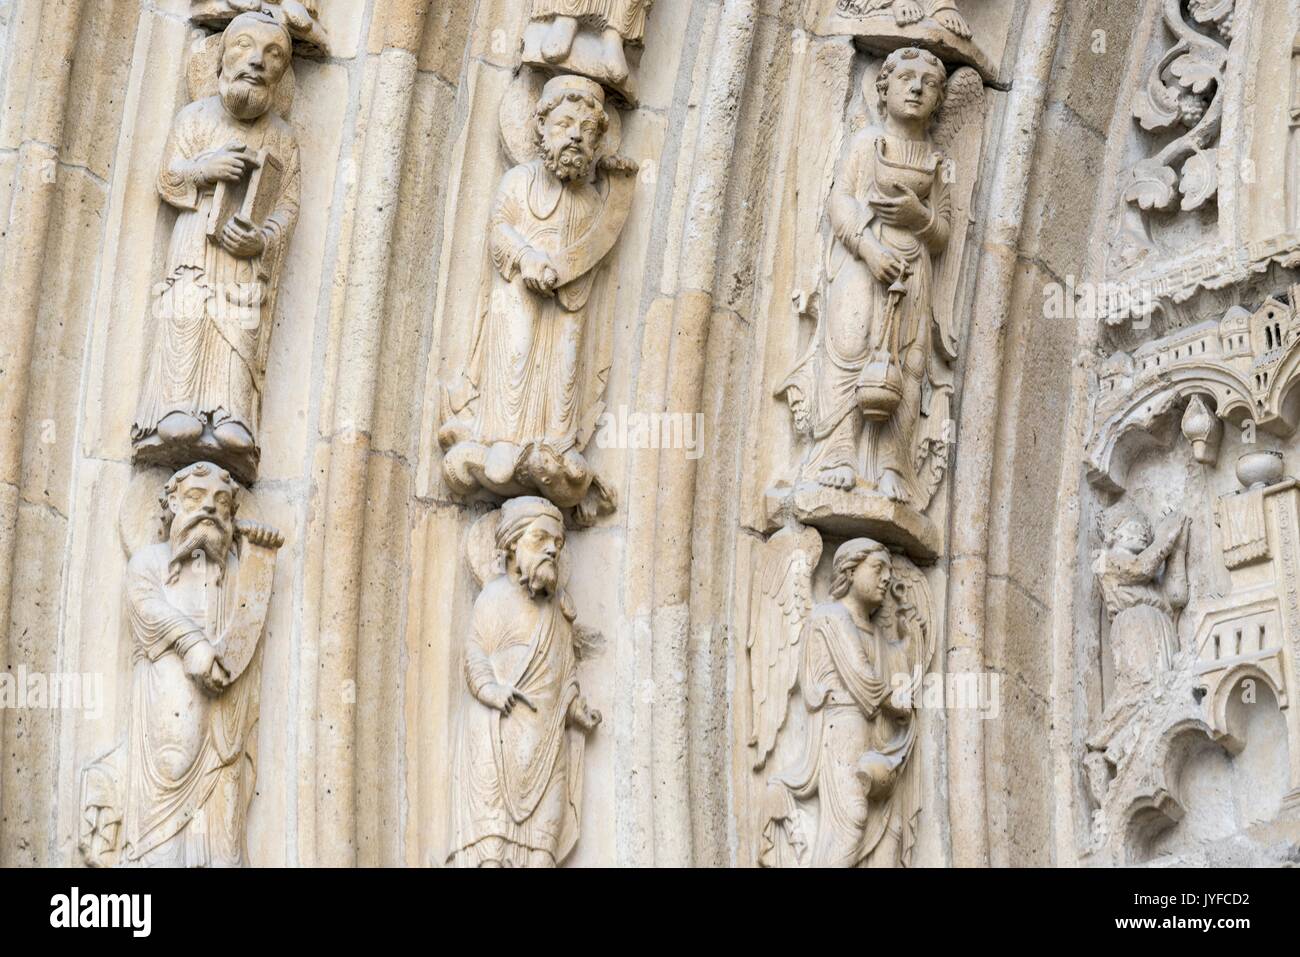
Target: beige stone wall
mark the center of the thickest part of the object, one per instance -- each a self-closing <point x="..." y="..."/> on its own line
<point x="744" y="108"/>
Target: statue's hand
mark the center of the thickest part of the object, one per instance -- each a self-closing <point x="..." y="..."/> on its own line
<point x="255" y="533"/>
<point x="242" y="240"/>
<point x="538" y="272"/>
<point x="228" y="163"/>
<point x="905" y="211"/>
<point x="199" y="661"/>
<point x="217" y="679"/>
<point x="584" y="716"/>
<point x="619" y="164"/>
<point x="884" y="265"/>
<point x="502" y="697"/>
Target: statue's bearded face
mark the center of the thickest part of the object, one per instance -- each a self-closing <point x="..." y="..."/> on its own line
<point x="537" y="556"/>
<point x="569" y="134"/>
<point x="871" y="579"/>
<point x="915" y="89"/>
<point x="253" y="60"/>
<point x="203" y="518"/>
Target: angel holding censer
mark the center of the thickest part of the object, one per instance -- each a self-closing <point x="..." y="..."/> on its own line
<point x="858" y="391"/>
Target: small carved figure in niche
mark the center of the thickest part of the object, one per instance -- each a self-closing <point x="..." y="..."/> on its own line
<point x="1142" y="573"/>
<point x="231" y="168"/>
<point x="518" y="422"/>
<point x="618" y="22"/>
<point x="859" y="391"/>
<point x="519" y="755"/>
<point x="862" y="658"/>
<point x="197" y="606"/>
<point x="908" y="12"/>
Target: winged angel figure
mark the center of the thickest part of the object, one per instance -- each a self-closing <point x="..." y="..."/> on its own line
<point x="872" y="393"/>
<point x="858" y="661"/>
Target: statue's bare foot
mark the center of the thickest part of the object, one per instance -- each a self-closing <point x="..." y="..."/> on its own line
<point x="612" y="54"/>
<point x="842" y="476"/>
<point x="559" y="39"/>
<point x="179" y="427"/>
<point x="891" y="486"/>
<point x="954" y="23"/>
<point x="233" y="436"/>
<point x="907" y="12"/>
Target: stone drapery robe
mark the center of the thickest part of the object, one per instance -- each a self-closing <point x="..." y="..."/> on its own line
<point x="214" y="310"/>
<point x="848" y="680"/>
<point x="856" y="306"/>
<point x="625" y="16"/>
<point x="191" y="755"/>
<point x="519" y="776"/>
<point x="532" y="359"/>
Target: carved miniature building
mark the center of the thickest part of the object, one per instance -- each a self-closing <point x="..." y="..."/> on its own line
<point x="644" y="432"/>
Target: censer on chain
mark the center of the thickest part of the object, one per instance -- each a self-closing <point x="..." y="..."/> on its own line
<point x="880" y="384"/>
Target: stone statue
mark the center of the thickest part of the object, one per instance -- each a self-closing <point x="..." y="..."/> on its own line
<point x="231" y="168"/>
<point x="519" y="421"/>
<point x="1142" y="573"/>
<point x="861" y="660"/>
<point x="908" y="12"/>
<point x="557" y="28"/>
<point x="861" y="389"/>
<point x="518" y="791"/>
<point x="196" y="605"/>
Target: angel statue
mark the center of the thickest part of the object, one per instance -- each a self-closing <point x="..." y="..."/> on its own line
<point x="869" y="377"/>
<point x="858" y="661"/>
<point x="1142" y="573"/>
<point x="908" y="12"/>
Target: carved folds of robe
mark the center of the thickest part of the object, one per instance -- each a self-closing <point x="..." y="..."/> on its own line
<point x="212" y="312"/>
<point x="519" y="776"/>
<point x="532" y="359"/>
<point x="847" y="679"/>
<point x="191" y="755"/>
<point x="625" y="16"/>
<point x="854" y="324"/>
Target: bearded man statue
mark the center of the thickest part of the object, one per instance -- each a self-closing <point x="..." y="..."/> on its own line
<point x="529" y="398"/>
<point x="196" y="605"/>
<point x="518" y="790"/>
<point x="231" y="168"/>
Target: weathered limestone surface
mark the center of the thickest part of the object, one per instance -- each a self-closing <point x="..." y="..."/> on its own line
<point x="663" y="432"/>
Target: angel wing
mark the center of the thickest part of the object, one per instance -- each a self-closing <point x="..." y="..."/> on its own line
<point x="912" y="608"/>
<point x="958" y="132"/>
<point x="780" y="602"/>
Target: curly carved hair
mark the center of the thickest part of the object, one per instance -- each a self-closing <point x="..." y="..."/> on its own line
<point x="551" y="101"/>
<point x="896" y="59"/>
<point x="201" y="469"/>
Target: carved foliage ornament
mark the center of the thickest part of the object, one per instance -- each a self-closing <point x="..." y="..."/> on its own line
<point x="1184" y="91"/>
